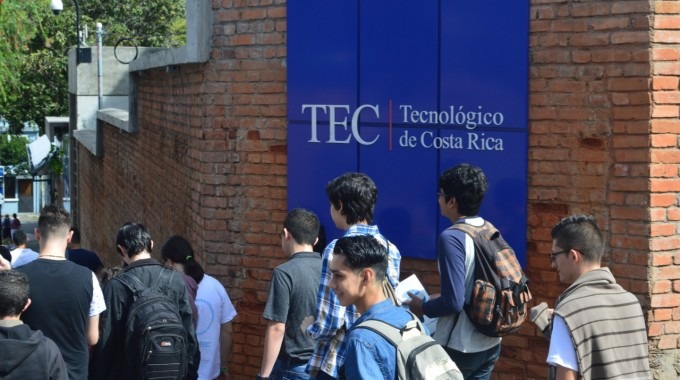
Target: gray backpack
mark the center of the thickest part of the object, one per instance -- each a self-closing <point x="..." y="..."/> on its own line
<point x="418" y="355"/>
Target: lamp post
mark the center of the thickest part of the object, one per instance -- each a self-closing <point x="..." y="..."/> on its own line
<point x="83" y="55"/>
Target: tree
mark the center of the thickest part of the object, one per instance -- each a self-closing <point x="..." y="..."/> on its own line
<point x="34" y="43"/>
<point x="13" y="151"/>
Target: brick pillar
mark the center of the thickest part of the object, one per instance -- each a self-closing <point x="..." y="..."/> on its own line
<point x="664" y="271"/>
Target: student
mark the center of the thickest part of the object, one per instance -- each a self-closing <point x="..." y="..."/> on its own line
<point x="80" y="255"/>
<point x="134" y="244"/>
<point x="215" y="309"/>
<point x="461" y="191"/>
<point x="598" y="330"/>
<point x="352" y="199"/>
<point x="22" y="255"/>
<point x="359" y="266"/>
<point x="67" y="299"/>
<point x="292" y="297"/>
<point x="26" y="353"/>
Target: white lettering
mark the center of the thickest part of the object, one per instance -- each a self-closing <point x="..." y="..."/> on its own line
<point x="355" y="124"/>
<point x="407" y="141"/>
<point x="477" y="142"/>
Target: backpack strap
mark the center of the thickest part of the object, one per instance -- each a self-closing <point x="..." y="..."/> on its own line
<point x="136" y="286"/>
<point x="390" y="333"/>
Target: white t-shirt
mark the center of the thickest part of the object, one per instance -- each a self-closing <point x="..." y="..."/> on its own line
<point x="214" y="309"/>
<point x="97" y="305"/>
<point x="23" y="256"/>
<point x="561" y="351"/>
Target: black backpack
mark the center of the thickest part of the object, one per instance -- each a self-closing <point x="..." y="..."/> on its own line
<point x="155" y="338"/>
<point x="500" y="294"/>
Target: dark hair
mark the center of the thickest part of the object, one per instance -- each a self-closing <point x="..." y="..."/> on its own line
<point x="363" y="251"/>
<point x="580" y="232"/>
<point x="321" y="243"/>
<point x="179" y="250"/>
<point x="106" y="274"/>
<point x="467" y="184"/>
<point x="53" y="220"/>
<point x="303" y="225"/>
<point x="5" y="253"/>
<point x="134" y="238"/>
<point x="75" y="238"/>
<point x="19" y="238"/>
<point x="356" y="193"/>
<point x="14" y="292"/>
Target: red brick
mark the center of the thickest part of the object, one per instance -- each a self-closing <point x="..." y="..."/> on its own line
<point x="663" y="200"/>
<point x="655" y="329"/>
<point x="665" y="83"/>
<point x="666" y="36"/>
<point x="666" y="54"/>
<point x="659" y="111"/>
<point x="667" y="22"/>
<point x="664" y="140"/>
<point x="661" y="286"/>
<point x="662" y="7"/>
<point x="668" y="341"/>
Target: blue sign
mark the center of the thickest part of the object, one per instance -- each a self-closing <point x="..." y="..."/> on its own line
<point x="401" y="91"/>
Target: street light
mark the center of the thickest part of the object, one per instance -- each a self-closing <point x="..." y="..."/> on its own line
<point x="83" y="55"/>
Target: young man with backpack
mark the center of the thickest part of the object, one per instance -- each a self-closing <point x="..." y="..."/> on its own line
<point x="145" y="296"/>
<point x="461" y="191"/>
<point x="352" y="199"/>
<point x="378" y="343"/>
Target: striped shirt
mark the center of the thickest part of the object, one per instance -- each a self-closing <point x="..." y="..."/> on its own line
<point x="332" y="319"/>
<point x="607" y="328"/>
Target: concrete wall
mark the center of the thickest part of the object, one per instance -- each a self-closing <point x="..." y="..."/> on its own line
<point x="209" y="161"/>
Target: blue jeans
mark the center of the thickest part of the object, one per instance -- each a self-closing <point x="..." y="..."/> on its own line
<point x="475" y="365"/>
<point x="285" y="370"/>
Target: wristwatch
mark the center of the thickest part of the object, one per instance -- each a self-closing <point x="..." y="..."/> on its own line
<point x="258" y="377"/>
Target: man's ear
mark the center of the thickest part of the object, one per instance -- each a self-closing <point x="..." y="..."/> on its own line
<point x="69" y="237"/>
<point x="367" y="276"/>
<point x="36" y="232"/>
<point x="28" y="303"/>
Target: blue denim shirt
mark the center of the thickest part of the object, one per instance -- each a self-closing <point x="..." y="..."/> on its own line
<point x="370" y="356"/>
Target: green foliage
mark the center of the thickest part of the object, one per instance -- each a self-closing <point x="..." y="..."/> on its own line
<point x="56" y="160"/>
<point x="13" y="150"/>
<point x="34" y="45"/>
<point x="148" y="22"/>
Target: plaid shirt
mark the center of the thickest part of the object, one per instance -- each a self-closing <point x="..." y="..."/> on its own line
<point x="332" y="319"/>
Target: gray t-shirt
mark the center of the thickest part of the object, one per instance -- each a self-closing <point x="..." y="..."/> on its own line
<point x="292" y="297"/>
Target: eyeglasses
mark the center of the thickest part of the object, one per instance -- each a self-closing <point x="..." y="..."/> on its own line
<point x="440" y="194"/>
<point x="282" y="234"/>
<point x="553" y="255"/>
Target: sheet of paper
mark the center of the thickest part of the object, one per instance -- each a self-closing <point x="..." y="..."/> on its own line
<point x="413" y="285"/>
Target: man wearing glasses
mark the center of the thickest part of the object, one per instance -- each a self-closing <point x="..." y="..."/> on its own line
<point x="461" y="191"/>
<point x="597" y="328"/>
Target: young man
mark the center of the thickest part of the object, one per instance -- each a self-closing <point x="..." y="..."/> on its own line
<point x="22" y="255"/>
<point x="461" y="191"/>
<point x="352" y="199"/>
<point x="67" y="299"/>
<point x="598" y="329"/>
<point x="134" y="244"/>
<point x="292" y="297"/>
<point x="82" y="256"/>
<point x="26" y="354"/>
<point x="359" y="267"/>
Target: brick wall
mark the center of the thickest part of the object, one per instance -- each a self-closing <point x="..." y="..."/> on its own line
<point x="209" y="161"/>
<point x="664" y="318"/>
